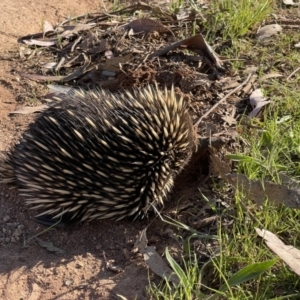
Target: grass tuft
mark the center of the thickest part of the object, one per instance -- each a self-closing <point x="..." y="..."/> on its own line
<point x="231" y="19"/>
<point x="245" y="267"/>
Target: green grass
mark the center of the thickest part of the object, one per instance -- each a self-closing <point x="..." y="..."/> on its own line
<point x="244" y="247"/>
<point x="231" y="19"/>
<point x="272" y="147"/>
<point x="190" y="278"/>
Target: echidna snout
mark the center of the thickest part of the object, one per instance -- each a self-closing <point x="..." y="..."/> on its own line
<point x="97" y="155"/>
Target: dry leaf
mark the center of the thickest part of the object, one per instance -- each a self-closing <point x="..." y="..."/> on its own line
<point x="258" y="191"/>
<point x="267" y="31"/>
<point x="77" y="73"/>
<point x="26" y="53"/>
<point x="49" y="246"/>
<point x="297" y="45"/>
<point x="229" y="119"/>
<point x="42" y="77"/>
<point x="288" y="181"/>
<point x="250" y="70"/>
<point x="147" y="25"/>
<point x="185" y="14"/>
<point x="42" y="43"/>
<point x="229" y="82"/>
<point x="59" y="89"/>
<point x="268" y="76"/>
<point x="290" y="2"/>
<point x="289" y="254"/>
<point x="196" y="43"/>
<point x="154" y="260"/>
<point x="99" y="48"/>
<point x="113" y="64"/>
<point x="257" y="101"/>
<point x="47" y="27"/>
<point x="71" y="30"/>
<point x="49" y="65"/>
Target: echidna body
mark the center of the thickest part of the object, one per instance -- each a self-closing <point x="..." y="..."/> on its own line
<point x="97" y="155"/>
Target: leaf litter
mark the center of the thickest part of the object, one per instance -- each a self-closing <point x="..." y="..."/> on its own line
<point x="117" y="51"/>
<point x="289" y="254"/>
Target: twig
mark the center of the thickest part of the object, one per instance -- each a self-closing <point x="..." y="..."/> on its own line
<point x="249" y="84"/>
<point x="70" y="19"/>
<point x="293" y="73"/>
<point x="223" y="99"/>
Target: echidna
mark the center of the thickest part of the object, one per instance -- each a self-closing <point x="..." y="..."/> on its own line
<point x="96" y="155"/>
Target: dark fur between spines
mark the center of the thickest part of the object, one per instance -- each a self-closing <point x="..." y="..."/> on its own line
<point x="97" y="155"/>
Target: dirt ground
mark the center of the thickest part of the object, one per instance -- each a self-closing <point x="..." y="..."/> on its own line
<point x="77" y="270"/>
<point x="33" y="272"/>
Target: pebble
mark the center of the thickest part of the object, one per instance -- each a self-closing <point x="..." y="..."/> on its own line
<point x="6" y="219"/>
<point x="14" y="224"/>
<point x="11" y="232"/>
<point x="69" y="281"/>
<point x="17" y="232"/>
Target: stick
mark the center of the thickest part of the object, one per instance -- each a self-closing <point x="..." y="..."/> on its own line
<point x="223" y="99"/>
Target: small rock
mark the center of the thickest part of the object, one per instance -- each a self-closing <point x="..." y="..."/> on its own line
<point x="69" y="281"/>
<point x="14" y="224"/>
<point x="17" y="232"/>
<point x="6" y="219"/>
<point x="267" y="31"/>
